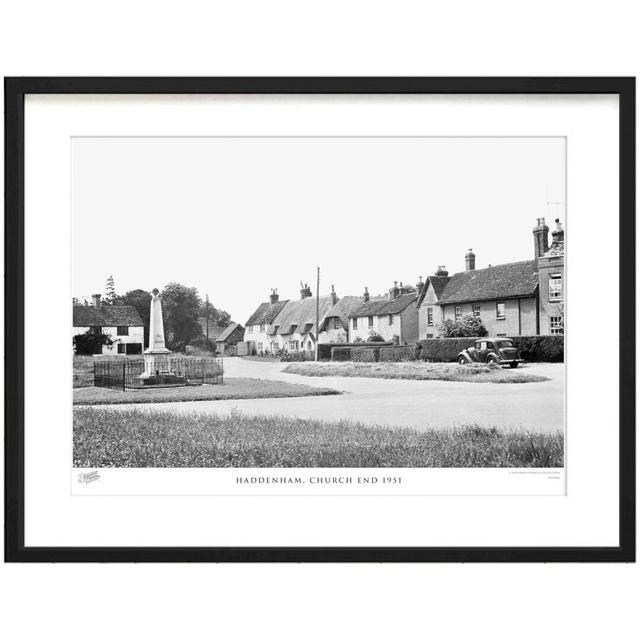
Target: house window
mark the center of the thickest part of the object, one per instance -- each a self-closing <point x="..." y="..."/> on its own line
<point x="250" y="328"/>
<point x="476" y="310"/>
<point x="336" y="323"/>
<point x="429" y="336"/>
<point x="370" y="320"/>
<point x="555" y="287"/>
<point x="293" y="345"/>
<point x="122" y="348"/>
<point x="123" y="331"/>
<point x="501" y="335"/>
<point x="96" y="331"/>
<point x="458" y="313"/>
<point x="262" y="327"/>
<point x="556" y="325"/>
<point x="430" y="316"/>
<point x="501" y="311"/>
<point x="355" y="323"/>
<point x="390" y="319"/>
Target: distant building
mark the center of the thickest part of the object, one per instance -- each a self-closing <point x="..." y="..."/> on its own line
<point x="121" y="323"/>
<point x="259" y="328"/>
<point x="518" y="298"/>
<point x="335" y="325"/>
<point x="228" y="338"/>
<point x="393" y="317"/>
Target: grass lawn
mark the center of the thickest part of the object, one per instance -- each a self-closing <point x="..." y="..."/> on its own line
<point x="414" y="371"/>
<point x="133" y="438"/>
<point x="231" y="389"/>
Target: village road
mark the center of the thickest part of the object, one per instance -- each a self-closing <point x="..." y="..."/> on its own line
<point x="537" y="406"/>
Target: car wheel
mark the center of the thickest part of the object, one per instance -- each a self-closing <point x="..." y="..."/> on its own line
<point x="513" y="365"/>
<point x="492" y="360"/>
<point x="461" y="360"/>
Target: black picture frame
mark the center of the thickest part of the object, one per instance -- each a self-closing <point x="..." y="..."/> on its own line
<point x="15" y="91"/>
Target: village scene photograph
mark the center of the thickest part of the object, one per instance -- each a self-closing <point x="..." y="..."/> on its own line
<point x="318" y="302"/>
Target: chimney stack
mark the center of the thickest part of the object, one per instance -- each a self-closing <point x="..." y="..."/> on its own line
<point x="419" y="285"/>
<point x="540" y="238"/>
<point x="305" y="291"/>
<point x="442" y="270"/>
<point x="470" y="260"/>
<point x="557" y="234"/>
<point x="334" y="296"/>
<point x="394" y="292"/>
<point x="96" y="300"/>
<point x="274" y="297"/>
<point x="365" y="295"/>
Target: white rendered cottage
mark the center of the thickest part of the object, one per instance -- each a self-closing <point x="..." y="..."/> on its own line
<point x="121" y="323"/>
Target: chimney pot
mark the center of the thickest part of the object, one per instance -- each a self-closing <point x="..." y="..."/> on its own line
<point x="365" y="295"/>
<point x="96" y="300"/>
<point x="470" y="260"/>
<point x="540" y="238"/>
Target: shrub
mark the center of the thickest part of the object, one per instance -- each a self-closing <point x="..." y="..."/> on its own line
<point x="90" y="342"/>
<point x="443" y="349"/>
<point x="375" y="337"/>
<point x="365" y="354"/>
<point x="324" y="350"/>
<point x="468" y="326"/>
<point x="341" y="353"/>
<point x="540" y="348"/>
<point x="397" y="354"/>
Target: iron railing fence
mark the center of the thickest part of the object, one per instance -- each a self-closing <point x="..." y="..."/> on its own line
<point x="125" y="374"/>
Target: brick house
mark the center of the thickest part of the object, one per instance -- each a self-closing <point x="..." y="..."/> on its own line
<point x="393" y="317"/>
<point x="518" y="298"/>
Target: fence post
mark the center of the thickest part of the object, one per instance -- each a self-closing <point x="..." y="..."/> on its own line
<point x="124" y="376"/>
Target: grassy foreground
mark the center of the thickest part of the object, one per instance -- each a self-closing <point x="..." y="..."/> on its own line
<point x="414" y="371"/>
<point x="134" y="438"/>
<point x="232" y="389"/>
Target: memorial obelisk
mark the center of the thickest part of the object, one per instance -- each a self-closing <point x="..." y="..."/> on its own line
<point x="156" y="357"/>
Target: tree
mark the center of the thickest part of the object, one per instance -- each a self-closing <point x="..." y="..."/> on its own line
<point x="90" y="342"/>
<point x="216" y="316"/>
<point x="111" y="298"/>
<point x="468" y="326"/>
<point x="141" y="301"/>
<point x="181" y="308"/>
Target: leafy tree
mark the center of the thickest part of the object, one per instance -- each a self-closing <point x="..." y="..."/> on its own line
<point x="469" y="326"/>
<point x="181" y="308"/>
<point x="141" y="300"/>
<point x="216" y="316"/>
<point x="90" y="342"/>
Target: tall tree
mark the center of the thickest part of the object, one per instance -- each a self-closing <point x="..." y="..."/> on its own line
<point x="181" y="307"/>
<point x="216" y="316"/>
<point x="141" y="300"/>
<point x="111" y="298"/>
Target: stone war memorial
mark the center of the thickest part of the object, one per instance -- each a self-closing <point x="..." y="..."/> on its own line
<point x="159" y="367"/>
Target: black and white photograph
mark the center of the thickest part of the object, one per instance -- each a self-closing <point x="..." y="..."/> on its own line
<point x="319" y="302"/>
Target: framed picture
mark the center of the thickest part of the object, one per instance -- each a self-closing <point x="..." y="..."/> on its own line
<point x="320" y="319"/>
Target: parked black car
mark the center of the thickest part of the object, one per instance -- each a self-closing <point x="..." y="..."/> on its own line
<point x="498" y="350"/>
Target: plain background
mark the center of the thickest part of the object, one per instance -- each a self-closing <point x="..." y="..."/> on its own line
<point x="327" y="601"/>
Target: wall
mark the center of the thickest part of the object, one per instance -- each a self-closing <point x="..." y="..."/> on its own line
<point x="136" y="336"/>
<point x="424" y="329"/>
<point x="547" y="266"/>
<point x="510" y="326"/>
<point x="261" y="339"/>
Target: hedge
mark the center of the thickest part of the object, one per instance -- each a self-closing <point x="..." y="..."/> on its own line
<point x="532" y="348"/>
<point x="540" y="348"/>
<point x="443" y="349"/>
<point x="341" y="353"/>
<point x="397" y="354"/>
<point x="364" y="354"/>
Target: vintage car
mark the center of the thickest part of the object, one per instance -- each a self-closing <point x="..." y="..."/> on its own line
<point x="498" y="350"/>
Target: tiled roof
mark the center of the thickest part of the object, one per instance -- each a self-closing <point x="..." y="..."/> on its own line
<point x="383" y="306"/>
<point x="227" y="331"/>
<point x="266" y="313"/>
<point x="106" y="316"/>
<point x="341" y="310"/>
<point x="302" y="314"/>
<point x="556" y="249"/>
<point x="512" y="280"/>
<point x="438" y="284"/>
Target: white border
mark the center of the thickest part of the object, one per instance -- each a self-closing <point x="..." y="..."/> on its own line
<point x="587" y="516"/>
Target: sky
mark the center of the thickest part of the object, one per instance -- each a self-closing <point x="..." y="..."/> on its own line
<point x="236" y="217"/>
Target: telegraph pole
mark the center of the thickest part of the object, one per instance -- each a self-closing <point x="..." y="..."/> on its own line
<point x="206" y="306"/>
<point x="317" y="312"/>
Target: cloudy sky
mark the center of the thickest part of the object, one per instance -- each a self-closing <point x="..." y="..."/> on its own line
<point x="235" y="217"/>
